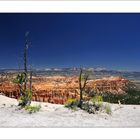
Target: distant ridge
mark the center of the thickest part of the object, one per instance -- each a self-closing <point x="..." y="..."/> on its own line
<point x="72" y="69"/>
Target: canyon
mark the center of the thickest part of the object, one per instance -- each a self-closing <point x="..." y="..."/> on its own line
<point x="58" y="89"/>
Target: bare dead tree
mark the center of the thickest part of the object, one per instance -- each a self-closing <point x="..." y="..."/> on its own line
<point x="25" y="59"/>
<point x="25" y="93"/>
<point x="83" y="80"/>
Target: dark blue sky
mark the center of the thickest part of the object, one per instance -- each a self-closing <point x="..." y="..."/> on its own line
<point x="72" y="40"/>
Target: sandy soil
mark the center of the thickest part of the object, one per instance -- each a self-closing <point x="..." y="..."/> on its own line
<point x="52" y="115"/>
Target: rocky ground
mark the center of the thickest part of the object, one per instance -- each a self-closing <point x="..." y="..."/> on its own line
<point x="54" y="115"/>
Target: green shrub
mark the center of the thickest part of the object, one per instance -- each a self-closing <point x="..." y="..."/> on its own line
<point x="92" y="106"/>
<point x="112" y="98"/>
<point x="89" y="107"/>
<point x="25" y="99"/>
<point x="130" y="97"/>
<point x="19" y="79"/>
<point x="72" y="103"/>
<point x="85" y="106"/>
<point x="97" y="99"/>
<point x="25" y="94"/>
<point x="33" y="109"/>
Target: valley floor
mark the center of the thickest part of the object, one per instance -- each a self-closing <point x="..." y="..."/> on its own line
<point x="53" y="115"/>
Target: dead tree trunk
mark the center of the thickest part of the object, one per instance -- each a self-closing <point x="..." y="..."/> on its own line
<point x="31" y="81"/>
<point x="27" y="91"/>
<point x="25" y="64"/>
<point x="30" y="91"/>
<point x="82" y="84"/>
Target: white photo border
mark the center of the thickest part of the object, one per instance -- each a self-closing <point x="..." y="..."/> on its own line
<point x="69" y="7"/>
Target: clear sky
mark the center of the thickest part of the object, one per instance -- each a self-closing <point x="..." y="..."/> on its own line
<point x="71" y="40"/>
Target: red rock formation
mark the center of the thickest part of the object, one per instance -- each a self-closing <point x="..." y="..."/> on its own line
<point x="58" y="89"/>
<point x="112" y="84"/>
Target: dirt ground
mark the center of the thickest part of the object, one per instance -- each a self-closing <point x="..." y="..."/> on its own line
<point x="54" y="115"/>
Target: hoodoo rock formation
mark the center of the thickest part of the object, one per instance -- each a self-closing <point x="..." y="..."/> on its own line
<point x="58" y="89"/>
<point x="116" y="85"/>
